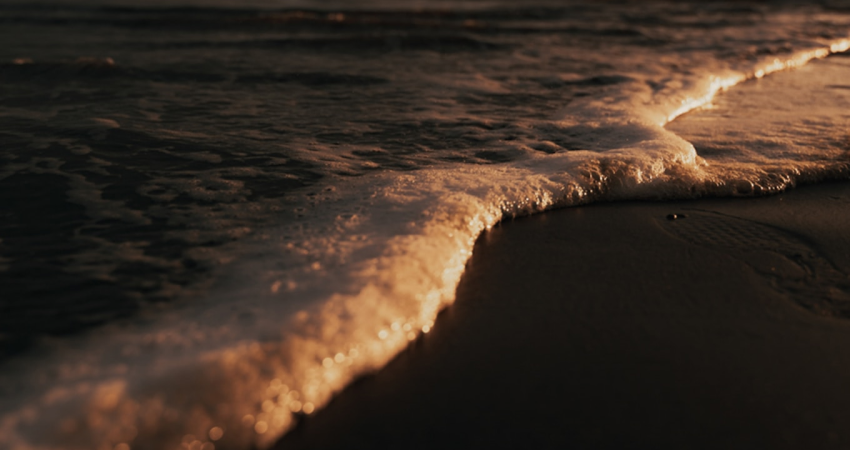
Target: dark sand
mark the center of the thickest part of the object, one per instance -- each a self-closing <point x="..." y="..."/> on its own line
<point x="610" y="326"/>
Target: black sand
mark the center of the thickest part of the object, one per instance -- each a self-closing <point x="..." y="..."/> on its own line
<point x="611" y="326"/>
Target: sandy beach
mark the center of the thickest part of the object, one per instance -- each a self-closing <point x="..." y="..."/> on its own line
<point x="613" y="326"/>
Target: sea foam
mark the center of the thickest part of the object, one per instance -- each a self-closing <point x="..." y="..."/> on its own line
<point x="365" y="263"/>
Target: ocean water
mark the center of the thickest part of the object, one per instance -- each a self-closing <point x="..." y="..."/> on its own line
<point x="216" y="214"/>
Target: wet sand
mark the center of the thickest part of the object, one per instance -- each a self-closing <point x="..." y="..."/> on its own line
<point x="612" y="326"/>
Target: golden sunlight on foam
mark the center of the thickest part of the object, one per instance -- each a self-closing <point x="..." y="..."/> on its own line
<point x="721" y="84"/>
<point x="840" y="46"/>
<point x="398" y="293"/>
<point x="386" y="303"/>
<point x="716" y="85"/>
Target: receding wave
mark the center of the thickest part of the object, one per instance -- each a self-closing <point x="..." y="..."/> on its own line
<point x="276" y="221"/>
<point x="316" y="308"/>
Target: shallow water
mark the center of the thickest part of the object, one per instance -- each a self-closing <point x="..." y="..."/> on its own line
<point x="216" y="214"/>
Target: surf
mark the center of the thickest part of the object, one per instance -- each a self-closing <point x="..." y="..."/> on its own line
<point x="361" y="265"/>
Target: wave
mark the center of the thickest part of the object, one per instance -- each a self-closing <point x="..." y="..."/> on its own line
<point x="337" y="293"/>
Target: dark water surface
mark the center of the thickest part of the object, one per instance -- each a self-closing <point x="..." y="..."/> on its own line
<point x="217" y="171"/>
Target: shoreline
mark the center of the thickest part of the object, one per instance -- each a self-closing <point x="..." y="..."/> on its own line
<point x="611" y="326"/>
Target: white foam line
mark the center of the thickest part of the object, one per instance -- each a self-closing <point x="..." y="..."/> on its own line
<point x="718" y="85"/>
<point x="397" y="294"/>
